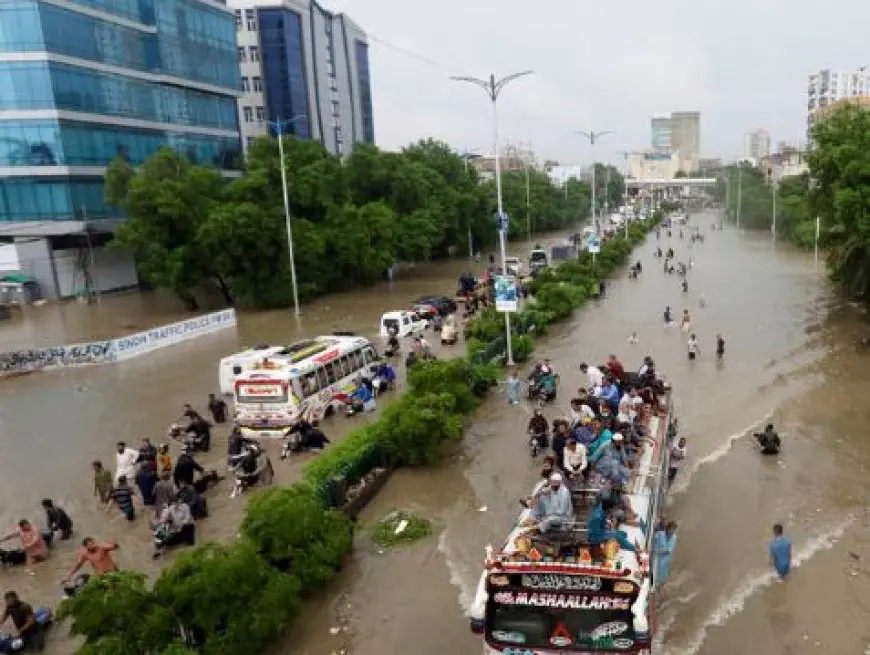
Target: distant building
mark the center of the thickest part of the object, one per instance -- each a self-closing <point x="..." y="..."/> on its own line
<point x="756" y="145"/>
<point x="653" y="165"/>
<point x="786" y="162"/>
<point x="827" y="88"/>
<point x="512" y="157"/>
<point x="678" y="132"/>
<point x="710" y="166"/>
<point x="559" y="175"/>
<point x="300" y="61"/>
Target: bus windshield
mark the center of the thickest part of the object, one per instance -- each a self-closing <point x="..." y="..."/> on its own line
<point x="565" y="629"/>
<point x="262" y="391"/>
<point x="538" y="256"/>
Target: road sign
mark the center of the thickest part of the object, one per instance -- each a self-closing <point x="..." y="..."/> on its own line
<point x="593" y="243"/>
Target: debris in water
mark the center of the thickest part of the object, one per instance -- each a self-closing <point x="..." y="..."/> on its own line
<point x="854" y="556"/>
<point x="401" y="527"/>
<point x="483" y="509"/>
<point x="334" y="630"/>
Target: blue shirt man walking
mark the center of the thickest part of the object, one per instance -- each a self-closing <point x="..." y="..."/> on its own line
<point x="780" y="552"/>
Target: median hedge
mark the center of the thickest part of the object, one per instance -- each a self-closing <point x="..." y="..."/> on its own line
<point x="234" y="599"/>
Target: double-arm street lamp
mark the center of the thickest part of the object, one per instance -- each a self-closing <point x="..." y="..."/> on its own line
<point x="493" y="88"/>
<point x="278" y="126"/>
<point x="593" y="139"/>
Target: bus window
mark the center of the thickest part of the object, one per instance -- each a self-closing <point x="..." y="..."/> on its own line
<point x="322" y="380"/>
<point x="356" y="360"/>
<point x="369" y="355"/>
<point x="331" y="373"/>
<point x="309" y="385"/>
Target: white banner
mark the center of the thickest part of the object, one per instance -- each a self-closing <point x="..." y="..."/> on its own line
<point x="168" y="335"/>
<point x="506" y="296"/>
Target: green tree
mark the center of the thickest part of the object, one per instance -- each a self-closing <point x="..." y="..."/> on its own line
<point x="294" y="532"/>
<point x="166" y="201"/>
<point x="227" y="599"/>
<point x="840" y="167"/>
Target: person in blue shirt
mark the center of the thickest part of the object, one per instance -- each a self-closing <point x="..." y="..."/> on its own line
<point x="387" y="375"/>
<point x="599" y="533"/>
<point x="610" y="394"/>
<point x="780" y="552"/>
<point x="664" y="542"/>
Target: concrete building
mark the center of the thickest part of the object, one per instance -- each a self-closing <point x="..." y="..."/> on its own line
<point x="653" y="165"/>
<point x="756" y="145"/>
<point x="512" y="157"/>
<point x="827" y="87"/>
<point x="559" y="175"/>
<point x="300" y="61"/>
<point x="660" y="132"/>
<point x="679" y="132"/>
<point x="84" y="81"/>
<point x="786" y="162"/>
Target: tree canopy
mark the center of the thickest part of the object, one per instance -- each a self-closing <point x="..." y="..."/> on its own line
<point x="189" y="228"/>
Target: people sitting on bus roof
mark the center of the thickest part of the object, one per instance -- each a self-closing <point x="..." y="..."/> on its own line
<point x="602" y="436"/>
<point x="613" y="449"/>
<point x="548" y="468"/>
<point x="609" y="393"/>
<point x="553" y="508"/>
<point x="574" y="459"/>
<point x="600" y="529"/>
<point x="580" y="412"/>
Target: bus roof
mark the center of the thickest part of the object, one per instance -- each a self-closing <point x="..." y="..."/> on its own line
<point x="302" y="356"/>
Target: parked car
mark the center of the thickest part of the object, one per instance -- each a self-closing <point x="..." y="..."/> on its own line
<point x="428" y="306"/>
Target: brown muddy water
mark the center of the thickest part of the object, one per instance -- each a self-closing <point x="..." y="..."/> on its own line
<point x="793" y="358"/>
<point x="53" y="424"/>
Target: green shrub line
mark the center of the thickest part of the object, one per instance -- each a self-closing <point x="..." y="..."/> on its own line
<point x="235" y="599"/>
<point x="384" y="531"/>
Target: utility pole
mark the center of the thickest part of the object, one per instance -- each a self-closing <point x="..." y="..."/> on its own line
<point x="528" y="202"/>
<point x="593" y="139"/>
<point x="773" y="222"/>
<point x="279" y="132"/>
<point x="493" y="87"/>
<point x="739" y="193"/>
<point x="466" y="156"/>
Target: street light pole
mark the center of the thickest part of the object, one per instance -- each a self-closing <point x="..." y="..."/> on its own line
<point x="466" y="155"/>
<point x="773" y="222"/>
<point x="528" y="204"/>
<point x="493" y="88"/>
<point x="739" y="193"/>
<point x="279" y="131"/>
<point x="593" y="138"/>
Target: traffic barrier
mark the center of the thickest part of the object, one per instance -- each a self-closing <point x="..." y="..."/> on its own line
<point x="20" y="362"/>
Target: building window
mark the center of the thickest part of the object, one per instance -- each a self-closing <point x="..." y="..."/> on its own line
<point x="238" y="19"/>
<point x="261" y="114"/>
<point x="257" y="84"/>
<point x="335" y="108"/>
<point x="250" y="141"/>
<point x="330" y="67"/>
<point x="255" y="53"/>
<point x="245" y="85"/>
<point x="251" y="20"/>
<point x="242" y="57"/>
<point x="249" y="114"/>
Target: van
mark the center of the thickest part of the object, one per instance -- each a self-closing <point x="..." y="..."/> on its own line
<point x="232" y="366"/>
<point x="404" y="324"/>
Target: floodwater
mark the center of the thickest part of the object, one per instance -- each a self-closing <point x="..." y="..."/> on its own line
<point x="53" y="424"/>
<point x="793" y="358"/>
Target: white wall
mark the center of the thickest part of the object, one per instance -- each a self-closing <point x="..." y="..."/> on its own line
<point x="9" y="258"/>
<point x="113" y="270"/>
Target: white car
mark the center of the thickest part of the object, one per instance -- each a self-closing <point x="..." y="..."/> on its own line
<point x="404" y="323"/>
<point x="514" y="266"/>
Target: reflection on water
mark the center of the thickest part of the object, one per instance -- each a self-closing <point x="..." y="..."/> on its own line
<point x="791" y="359"/>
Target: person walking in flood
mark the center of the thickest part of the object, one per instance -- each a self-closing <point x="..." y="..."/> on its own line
<point x="693" y="348"/>
<point x="218" y="408"/>
<point x="780" y="552"/>
<point x="664" y="542"/>
<point x="669" y="319"/>
<point x="720" y="347"/>
<point x="102" y="482"/>
<point x="57" y="520"/>
<point x="686" y="322"/>
<point x="513" y="386"/>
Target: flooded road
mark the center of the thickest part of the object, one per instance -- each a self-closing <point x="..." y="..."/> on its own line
<point x="793" y="358"/>
<point x="53" y="424"/>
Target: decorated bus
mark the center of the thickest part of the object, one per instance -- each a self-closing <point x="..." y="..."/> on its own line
<point x="547" y="593"/>
<point x="306" y="380"/>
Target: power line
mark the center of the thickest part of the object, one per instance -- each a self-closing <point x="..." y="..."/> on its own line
<point x="412" y="55"/>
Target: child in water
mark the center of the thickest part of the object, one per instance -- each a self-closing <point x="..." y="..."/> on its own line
<point x="686" y="323"/>
<point x="633" y="340"/>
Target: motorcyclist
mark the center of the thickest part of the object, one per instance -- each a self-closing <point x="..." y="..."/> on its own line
<point x="306" y="436"/>
<point x="253" y="466"/>
<point x="547" y="385"/>
<point x="393" y="345"/>
<point x="386" y="376"/>
<point x="769" y="441"/>
<point x="200" y="431"/>
<point x="539" y="428"/>
<point x="28" y="629"/>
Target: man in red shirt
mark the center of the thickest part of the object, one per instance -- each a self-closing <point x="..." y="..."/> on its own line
<point x="615" y="367"/>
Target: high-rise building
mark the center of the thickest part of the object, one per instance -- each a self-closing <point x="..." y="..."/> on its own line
<point x="660" y="128"/>
<point x="679" y="132"/>
<point x="827" y="87"/>
<point x="84" y="81"/>
<point x="307" y="66"/>
<point x="756" y="145"/>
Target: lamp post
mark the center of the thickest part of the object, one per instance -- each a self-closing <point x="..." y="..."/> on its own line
<point x="739" y="192"/>
<point x="625" y="154"/>
<point x="279" y="132"/>
<point x="593" y="138"/>
<point x="466" y="155"/>
<point x="773" y="221"/>
<point x="528" y="201"/>
<point x="493" y="88"/>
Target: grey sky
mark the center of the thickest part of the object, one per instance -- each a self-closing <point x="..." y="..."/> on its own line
<point x="603" y="65"/>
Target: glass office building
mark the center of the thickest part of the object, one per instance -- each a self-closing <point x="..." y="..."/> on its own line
<point x="85" y="81"/>
<point x="307" y="64"/>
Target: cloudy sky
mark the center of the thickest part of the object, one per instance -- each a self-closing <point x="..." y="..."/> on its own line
<point x="606" y="65"/>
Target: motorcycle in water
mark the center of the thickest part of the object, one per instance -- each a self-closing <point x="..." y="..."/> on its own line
<point x="10" y="643"/>
<point x="539" y="395"/>
<point x="249" y="467"/>
<point x="537" y="442"/>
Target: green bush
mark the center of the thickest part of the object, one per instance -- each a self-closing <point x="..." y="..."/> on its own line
<point x="556" y="299"/>
<point x="343" y="459"/>
<point x="227" y="599"/>
<point x="444" y="376"/>
<point x="522" y="347"/>
<point x="384" y="531"/>
<point x="483" y="378"/>
<point x="295" y="533"/>
<point x="416" y="428"/>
